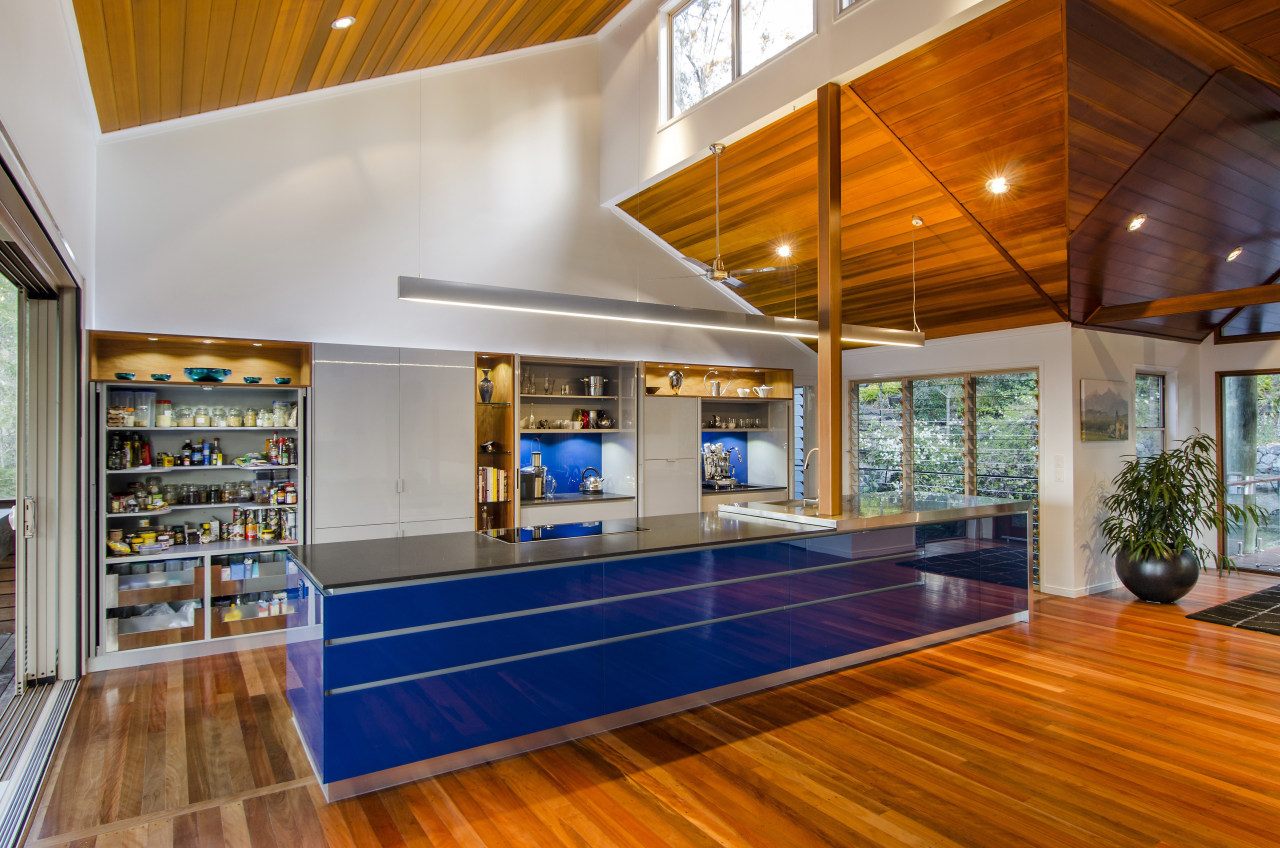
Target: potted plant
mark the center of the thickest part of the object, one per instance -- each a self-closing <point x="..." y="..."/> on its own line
<point x="1159" y="505"/>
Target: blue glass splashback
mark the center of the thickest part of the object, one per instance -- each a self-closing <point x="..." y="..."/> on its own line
<point x="565" y="455"/>
<point x="731" y="440"/>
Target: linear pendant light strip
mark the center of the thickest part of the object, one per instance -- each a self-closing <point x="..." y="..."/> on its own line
<point x="446" y="293"/>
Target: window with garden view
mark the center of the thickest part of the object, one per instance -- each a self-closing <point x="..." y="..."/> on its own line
<point x="1148" y="414"/>
<point x="969" y="434"/>
<point x="713" y="42"/>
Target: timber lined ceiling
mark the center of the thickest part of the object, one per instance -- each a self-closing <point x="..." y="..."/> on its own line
<point x="1095" y="110"/>
<point x="153" y="60"/>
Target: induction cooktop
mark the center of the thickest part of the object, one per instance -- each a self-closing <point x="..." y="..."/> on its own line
<point x="575" y="530"/>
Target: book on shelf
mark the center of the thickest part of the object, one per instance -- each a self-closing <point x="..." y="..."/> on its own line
<point x="491" y="484"/>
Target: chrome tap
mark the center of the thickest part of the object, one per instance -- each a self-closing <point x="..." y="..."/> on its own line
<point x="816" y="488"/>
<point x="807" y="457"/>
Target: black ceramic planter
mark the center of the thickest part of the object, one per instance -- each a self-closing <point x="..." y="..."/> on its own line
<point x="1159" y="580"/>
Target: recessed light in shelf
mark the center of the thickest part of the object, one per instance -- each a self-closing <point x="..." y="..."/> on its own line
<point x="152" y="339"/>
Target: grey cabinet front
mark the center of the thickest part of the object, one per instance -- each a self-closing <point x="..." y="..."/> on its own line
<point x="356" y="423"/>
<point x="437" y="432"/>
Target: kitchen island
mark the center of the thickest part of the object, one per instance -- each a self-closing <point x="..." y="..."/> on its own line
<point x="417" y="655"/>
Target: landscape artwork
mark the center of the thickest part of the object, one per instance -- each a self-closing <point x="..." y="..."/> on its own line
<point x="1104" y="411"/>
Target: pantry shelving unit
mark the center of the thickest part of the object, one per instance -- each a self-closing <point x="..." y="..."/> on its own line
<point x="191" y="599"/>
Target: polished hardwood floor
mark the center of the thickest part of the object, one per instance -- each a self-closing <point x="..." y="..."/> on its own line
<point x="1104" y="722"/>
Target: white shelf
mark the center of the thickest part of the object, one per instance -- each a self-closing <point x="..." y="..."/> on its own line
<point x="152" y="469"/>
<point x="145" y="514"/>
<point x="546" y="430"/>
<point x="567" y="397"/>
<point x="235" y="504"/>
<point x="735" y="429"/>
<point x="193" y="551"/>
<point x="194" y="429"/>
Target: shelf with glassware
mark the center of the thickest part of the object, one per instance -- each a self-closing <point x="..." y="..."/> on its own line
<point x="577" y="439"/>
<point x="745" y="449"/>
<point x="495" y="431"/>
<point x="173" y="504"/>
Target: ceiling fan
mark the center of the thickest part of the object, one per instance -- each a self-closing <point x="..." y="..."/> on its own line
<point x="716" y="272"/>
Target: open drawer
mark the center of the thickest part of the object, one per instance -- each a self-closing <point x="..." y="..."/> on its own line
<point x="153" y="587"/>
<point x="149" y="625"/>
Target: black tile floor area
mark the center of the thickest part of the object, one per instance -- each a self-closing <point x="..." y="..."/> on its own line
<point x="1259" y="611"/>
<point x="1005" y="565"/>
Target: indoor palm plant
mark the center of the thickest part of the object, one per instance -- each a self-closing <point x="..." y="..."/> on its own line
<point x="1160" y="505"/>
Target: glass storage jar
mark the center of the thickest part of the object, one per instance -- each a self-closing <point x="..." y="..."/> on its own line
<point x="218" y="417"/>
<point x="251" y="417"/>
<point x="246" y="491"/>
<point x="185" y="417"/>
<point x="201" y="416"/>
<point x="235" y="417"/>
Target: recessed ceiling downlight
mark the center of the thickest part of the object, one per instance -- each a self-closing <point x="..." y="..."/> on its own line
<point x="784" y="250"/>
<point x="998" y="185"/>
<point x="1137" y="222"/>
<point x="343" y="22"/>
<point x="1235" y="254"/>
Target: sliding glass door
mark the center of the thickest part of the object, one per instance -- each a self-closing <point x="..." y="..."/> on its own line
<point x="1249" y="448"/>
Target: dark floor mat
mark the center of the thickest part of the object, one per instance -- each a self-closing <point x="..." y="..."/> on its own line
<point x="1259" y="611"/>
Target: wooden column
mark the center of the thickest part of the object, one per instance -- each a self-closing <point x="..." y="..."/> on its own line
<point x="830" y="307"/>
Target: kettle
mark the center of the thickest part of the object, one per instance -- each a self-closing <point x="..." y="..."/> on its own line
<point x="592" y="483"/>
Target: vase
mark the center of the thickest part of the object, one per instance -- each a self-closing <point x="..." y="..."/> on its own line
<point x="486" y="387"/>
<point x="1158" y="580"/>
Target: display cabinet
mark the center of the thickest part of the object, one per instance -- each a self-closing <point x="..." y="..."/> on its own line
<point x="495" y="457"/>
<point x="195" y="495"/>
<point x="577" y="423"/>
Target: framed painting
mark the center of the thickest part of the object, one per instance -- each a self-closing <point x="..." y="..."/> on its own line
<point x="1105" y="411"/>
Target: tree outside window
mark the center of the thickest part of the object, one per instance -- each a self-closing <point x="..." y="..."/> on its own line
<point x="8" y="389"/>
<point x="715" y="41"/>
<point x="1148" y="409"/>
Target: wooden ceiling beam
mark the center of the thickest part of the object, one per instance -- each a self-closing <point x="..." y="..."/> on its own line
<point x="959" y="207"/>
<point x="1267" y="292"/>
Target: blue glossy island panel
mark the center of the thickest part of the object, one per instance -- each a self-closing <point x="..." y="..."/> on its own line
<point x="400" y="681"/>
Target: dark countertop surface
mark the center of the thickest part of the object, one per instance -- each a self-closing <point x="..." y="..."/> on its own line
<point x="708" y="489"/>
<point x="576" y="497"/>
<point x="353" y="566"/>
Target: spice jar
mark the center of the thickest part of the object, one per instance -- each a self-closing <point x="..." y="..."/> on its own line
<point x="164" y="413"/>
<point x="235" y="417"/>
<point x="201" y="416"/>
<point x="185" y="417"/>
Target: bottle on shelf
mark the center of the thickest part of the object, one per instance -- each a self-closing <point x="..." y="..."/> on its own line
<point x="186" y="452"/>
<point x="217" y="452"/>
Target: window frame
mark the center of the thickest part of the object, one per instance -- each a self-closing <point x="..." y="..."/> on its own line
<point x="669" y="12"/>
<point x="853" y="4"/>
<point x="1164" y="407"/>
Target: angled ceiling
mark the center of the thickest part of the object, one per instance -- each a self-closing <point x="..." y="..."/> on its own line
<point x="153" y="60"/>
<point x="1094" y="109"/>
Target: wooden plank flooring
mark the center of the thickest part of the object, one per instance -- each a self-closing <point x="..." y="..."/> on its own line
<point x="1105" y="722"/>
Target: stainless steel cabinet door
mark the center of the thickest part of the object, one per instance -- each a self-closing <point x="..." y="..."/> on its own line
<point x="437" y="435"/>
<point x="671" y="428"/>
<point x="670" y="487"/>
<point x="355" y="446"/>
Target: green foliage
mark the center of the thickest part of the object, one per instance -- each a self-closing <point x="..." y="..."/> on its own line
<point x="8" y="389"/>
<point x="1160" y="502"/>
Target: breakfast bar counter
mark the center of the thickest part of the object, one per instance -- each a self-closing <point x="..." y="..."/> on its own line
<point x="417" y="655"/>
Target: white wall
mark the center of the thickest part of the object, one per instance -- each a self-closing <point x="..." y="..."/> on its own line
<point x="639" y="144"/>
<point x="294" y="220"/>
<point x="47" y="113"/>
<point x="1115" y="356"/>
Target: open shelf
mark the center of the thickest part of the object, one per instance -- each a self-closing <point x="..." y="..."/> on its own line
<point x="536" y="397"/>
<point x="197" y="429"/>
<point x="181" y="551"/>
<point x="113" y="352"/>
<point x="169" y="469"/>
<point x="557" y="431"/>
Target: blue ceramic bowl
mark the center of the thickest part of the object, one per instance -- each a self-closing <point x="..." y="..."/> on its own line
<point x="253" y="379"/>
<point x="160" y="378"/>
<point x="125" y="375"/>
<point x="207" y="375"/>
<point x="283" y="381"/>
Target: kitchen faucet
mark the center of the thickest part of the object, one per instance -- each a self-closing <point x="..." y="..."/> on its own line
<point x="808" y="456"/>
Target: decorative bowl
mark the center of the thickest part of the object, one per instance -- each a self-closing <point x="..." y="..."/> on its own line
<point x="125" y="375"/>
<point x="283" y="381"/>
<point x="651" y="390"/>
<point x="253" y="379"/>
<point x="161" y="378"/>
<point x="207" y="375"/>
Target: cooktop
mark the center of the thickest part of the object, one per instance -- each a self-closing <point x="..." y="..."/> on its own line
<point x="547" y="532"/>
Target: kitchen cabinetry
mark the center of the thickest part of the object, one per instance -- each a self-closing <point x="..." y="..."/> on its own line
<point x="386" y="435"/>
<point x="496" y="481"/>
<point x="670" y="481"/>
<point x="576" y="415"/>
<point x="170" y="522"/>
